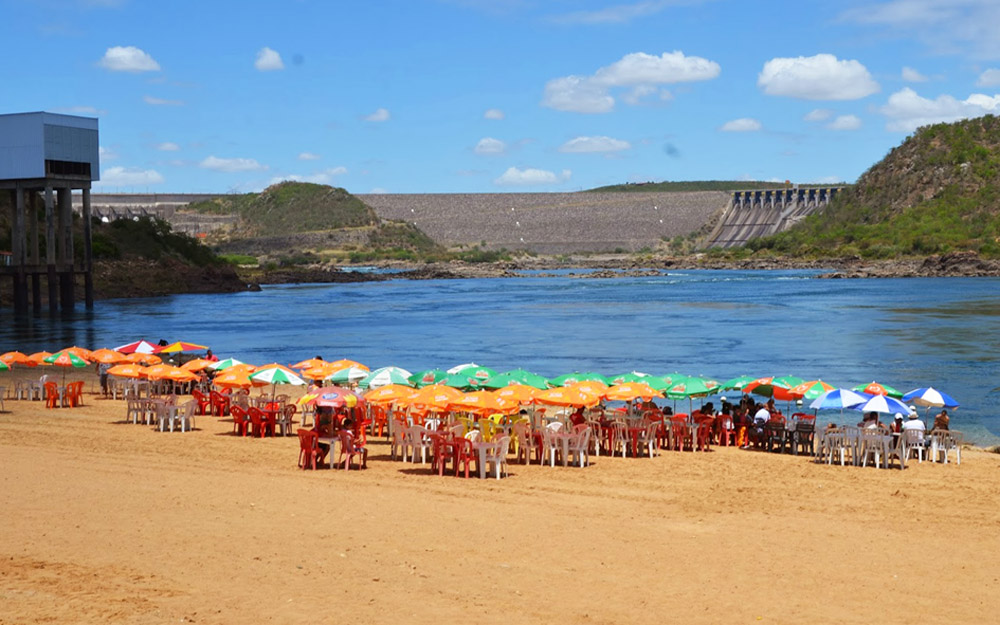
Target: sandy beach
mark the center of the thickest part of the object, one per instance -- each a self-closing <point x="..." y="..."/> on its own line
<point x="106" y="521"/>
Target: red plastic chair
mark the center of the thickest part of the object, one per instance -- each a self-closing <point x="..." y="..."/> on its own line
<point x="727" y="435"/>
<point x="443" y="450"/>
<point x="240" y="421"/>
<point x="310" y="453"/>
<point x="51" y="395"/>
<point x="351" y="450"/>
<point x="465" y="453"/>
<point x="703" y="434"/>
<point x="258" y="422"/>
<point x="220" y="403"/>
<point x="204" y="403"/>
<point x="680" y="433"/>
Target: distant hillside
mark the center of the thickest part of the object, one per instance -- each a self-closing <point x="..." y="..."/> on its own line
<point x="937" y="192"/>
<point x="291" y="207"/>
<point x="694" y="185"/>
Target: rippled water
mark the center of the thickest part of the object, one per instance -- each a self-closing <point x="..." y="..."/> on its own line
<point x="903" y="332"/>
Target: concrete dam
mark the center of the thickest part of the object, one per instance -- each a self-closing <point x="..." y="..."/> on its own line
<point x="545" y="223"/>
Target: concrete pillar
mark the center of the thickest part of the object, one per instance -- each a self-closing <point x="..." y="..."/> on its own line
<point x="88" y="255"/>
<point x="50" y="251"/>
<point x="18" y="245"/>
<point x="33" y="253"/>
<point x="66" y="290"/>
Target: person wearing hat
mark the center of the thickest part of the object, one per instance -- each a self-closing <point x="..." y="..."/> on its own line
<point x="914" y="423"/>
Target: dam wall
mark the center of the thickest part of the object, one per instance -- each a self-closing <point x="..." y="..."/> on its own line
<point x="752" y="214"/>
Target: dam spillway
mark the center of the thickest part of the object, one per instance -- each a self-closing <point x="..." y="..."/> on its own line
<point x="759" y="213"/>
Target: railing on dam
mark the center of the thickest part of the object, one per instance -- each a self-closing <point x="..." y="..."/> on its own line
<point x="758" y="213"/>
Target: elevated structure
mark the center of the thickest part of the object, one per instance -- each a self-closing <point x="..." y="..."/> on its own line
<point x="51" y="155"/>
<point x="752" y="214"/>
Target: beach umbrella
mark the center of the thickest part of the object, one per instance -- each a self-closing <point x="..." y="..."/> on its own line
<point x="475" y="372"/>
<point x="690" y="387"/>
<point x="275" y="375"/>
<point x="318" y="373"/>
<point x="350" y="375"/>
<point x="673" y="378"/>
<point x="169" y="372"/>
<point x="838" y="399"/>
<point x="518" y="393"/>
<point x="874" y="388"/>
<point x="773" y="387"/>
<point x="460" y="381"/>
<point x="385" y="376"/>
<point x="39" y="357"/>
<point x="427" y="377"/>
<point x="567" y="397"/>
<point x="141" y="358"/>
<point x="568" y="379"/>
<point x="884" y="404"/>
<point x="481" y="402"/>
<point x="181" y="346"/>
<point x="592" y="387"/>
<point x="389" y="394"/>
<point x="232" y="379"/>
<point x="809" y="390"/>
<point x="517" y="376"/>
<point x="130" y="370"/>
<point x="107" y="356"/>
<point x="66" y="359"/>
<point x="222" y="365"/>
<point x="435" y="396"/>
<point x="309" y="364"/>
<point x="929" y="397"/>
<point x="337" y="397"/>
<point x="4" y="366"/>
<point x="196" y="365"/>
<point x="458" y="368"/>
<point x="737" y="383"/>
<point x="17" y="358"/>
<point x="630" y="391"/>
<point x="344" y="363"/>
<point x="82" y="352"/>
<point x="141" y="347"/>
<point x="622" y="378"/>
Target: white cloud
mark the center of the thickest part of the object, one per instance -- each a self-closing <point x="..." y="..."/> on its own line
<point x="231" y="164"/>
<point x="309" y="156"/>
<point x="148" y="99"/>
<point x="380" y="115"/>
<point x="577" y="94"/>
<point x="268" y="60"/>
<point x="129" y="176"/>
<point x="911" y="75"/>
<point x="591" y="145"/>
<point x="743" y="124"/>
<point x="321" y="177"/>
<point x="845" y="122"/>
<point x="907" y="110"/>
<point x="591" y="94"/>
<point x="638" y="94"/>
<point x="820" y="77"/>
<point x="106" y="154"/>
<point x="489" y="145"/>
<point x="128" y="59"/>
<point x="827" y="180"/>
<point x="168" y="146"/>
<point x="989" y="78"/>
<point x="818" y="115"/>
<point x="528" y="177"/>
<point x="495" y="114"/>
<point x="952" y="27"/>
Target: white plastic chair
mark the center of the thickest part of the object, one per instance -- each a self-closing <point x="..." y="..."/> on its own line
<point x="185" y="415"/>
<point x="495" y="457"/>
<point x="578" y="445"/>
<point x="416" y="438"/>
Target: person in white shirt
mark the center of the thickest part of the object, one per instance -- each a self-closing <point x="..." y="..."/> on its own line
<point x="913" y="423"/>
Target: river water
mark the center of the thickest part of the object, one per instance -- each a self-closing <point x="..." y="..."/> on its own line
<point x="941" y="332"/>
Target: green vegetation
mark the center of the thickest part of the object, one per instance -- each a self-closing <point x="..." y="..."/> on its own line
<point x="693" y="185"/>
<point x="239" y="259"/>
<point x="147" y="238"/>
<point x="937" y="192"/>
<point x="291" y="207"/>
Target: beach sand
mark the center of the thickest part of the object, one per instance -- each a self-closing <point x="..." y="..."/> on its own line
<point x="104" y="521"/>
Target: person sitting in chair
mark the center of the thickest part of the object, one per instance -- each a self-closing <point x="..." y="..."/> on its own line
<point x="941" y="421"/>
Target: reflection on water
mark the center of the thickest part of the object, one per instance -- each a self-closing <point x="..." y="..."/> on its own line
<point x="905" y="332"/>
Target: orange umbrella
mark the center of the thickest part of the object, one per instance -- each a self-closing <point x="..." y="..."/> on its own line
<point x="39" y="357"/>
<point x="107" y="356"/>
<point x="146" y="359"/>
<point x="79" y="351"/>
<point x="631" y="390"/>
<point x="567" y="397"/>
<point x="482" y="402"/>
<point x="195" y="365"/>
<point x="274" y="365"/>
<point x="131" y="370"/>
<point x="157" y="372"/>
<point x="389" y="394"/>
<point x="320" y="372"/>
<point x="232" y="379"/>
<point x="179" y="375"/>
<point x="181" y="346"/>
<point x="435" y="396"/>
<point x="337" y="365"/>
<point x="518" y="393"/>
<point x="17" y="358"/>
<point x="310" y="363"/>
<point x="241" y="369"/>
<point x="591" y="387"/>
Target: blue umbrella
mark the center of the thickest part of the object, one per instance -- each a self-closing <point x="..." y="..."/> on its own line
<point x="884" y="404"/>
<point x="930" y="397"/>
<point x="839" y="398"/>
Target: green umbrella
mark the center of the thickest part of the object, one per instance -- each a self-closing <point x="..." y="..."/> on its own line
<point x="738" y="383"/>
<point x="691" y="387"/>
<point x="66" y="359"/>
<point x="656" y="383"/>
<point x="517" y="376"/>
<point x="623" y="378"/>
<point x="347" y="375"/>
<point x="3" y="366"/>
<point x="872" y="388"/>
<point x="275" y="376"/>
<point x="427" y="377"/>
<point x="572" y="378"/>
<point x="386" y="376"/>
<point x="460" y="381"/>
<point x="673" y="378"/>
<point x="222" y="365"/>
<point x="476" y="372"/>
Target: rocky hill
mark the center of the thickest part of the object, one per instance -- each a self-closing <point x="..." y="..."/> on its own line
<point x="938" y="192"/>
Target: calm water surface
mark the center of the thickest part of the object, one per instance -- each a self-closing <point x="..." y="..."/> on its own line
<point x="903" y="332"/>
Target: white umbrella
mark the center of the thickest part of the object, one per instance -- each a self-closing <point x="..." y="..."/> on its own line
<point x="458" y="368"/>
<point x="883" y="404"/>
<point x="839" y="398"/>
<point x="929" y="397"/>
<point x="386" y="376"/>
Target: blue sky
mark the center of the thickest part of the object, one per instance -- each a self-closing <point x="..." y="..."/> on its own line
<point x="503" y="95"/>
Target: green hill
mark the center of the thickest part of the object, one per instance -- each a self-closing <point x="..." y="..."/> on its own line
<point x="291" y="207"/>
<point x="937" y="192"/>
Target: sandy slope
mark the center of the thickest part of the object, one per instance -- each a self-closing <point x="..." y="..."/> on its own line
<point x="110" y="522"/>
